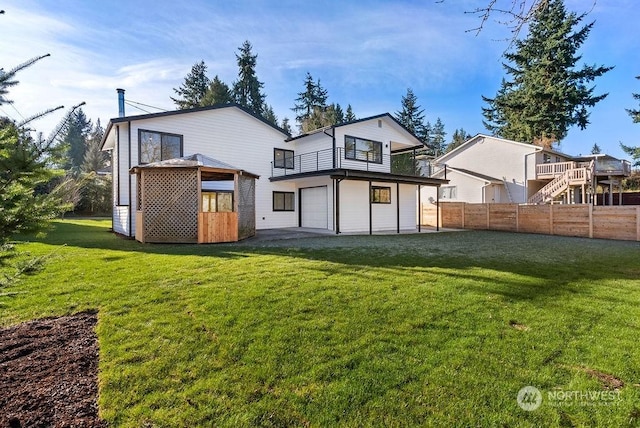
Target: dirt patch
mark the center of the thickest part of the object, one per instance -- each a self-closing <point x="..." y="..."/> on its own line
<point x="48" y="373"/>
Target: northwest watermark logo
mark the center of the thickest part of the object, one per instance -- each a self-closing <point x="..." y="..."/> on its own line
<point x="530" y="398"/>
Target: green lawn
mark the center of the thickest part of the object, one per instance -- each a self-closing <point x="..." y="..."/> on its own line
<point x="411" y="330"/>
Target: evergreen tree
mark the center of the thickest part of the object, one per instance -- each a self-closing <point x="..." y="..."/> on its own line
<point x="218" y="92"/>
<point x="634" y="152"/>
<point x="438" y="141"/>
<point x="94" y="158"/>
<point x="634" y="113"/>
<point x="411" y="115"/>
<point x="595" y="150"/>
<point x="349" y="116"/>
<point x="23" y="169"/>
<point x="459" y="137"/>
<point x="334" y="114"/>
<point x="74" y="137"/>
<point x="547" y="94"/>
<point x="7" y="78"/>
<point x="310" y="105"/>
<point x="270" y="115"/>
<point x="286" y="127"/>
<point x="247" y="90"/>
<point x="193" y="89"/>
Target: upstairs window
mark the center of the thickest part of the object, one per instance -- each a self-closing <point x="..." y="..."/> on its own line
<point x="158" y="146"/>
<point x="283" y="159"/>
<point x="362" y="150"/>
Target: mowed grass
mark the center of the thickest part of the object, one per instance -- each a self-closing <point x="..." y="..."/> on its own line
<point x="410" y="330"/>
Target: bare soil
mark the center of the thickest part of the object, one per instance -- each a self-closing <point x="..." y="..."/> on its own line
<point x="48" y="373"/>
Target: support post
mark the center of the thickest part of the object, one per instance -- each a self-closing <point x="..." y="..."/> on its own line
<point x="398" y="206"/>
<point x="338" y="206"/>
<point x="370" y="210"/>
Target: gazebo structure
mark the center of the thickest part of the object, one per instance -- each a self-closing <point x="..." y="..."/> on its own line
<point x="194" y="199"/>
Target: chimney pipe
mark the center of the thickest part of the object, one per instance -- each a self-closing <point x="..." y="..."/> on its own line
<point x="120" y="102"/>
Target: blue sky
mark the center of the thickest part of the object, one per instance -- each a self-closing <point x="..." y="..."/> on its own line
<point x="365" y="53"/>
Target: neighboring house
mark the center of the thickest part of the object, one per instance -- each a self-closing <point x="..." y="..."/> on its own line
<point x="338" y="178"/>
<point x="488" y="169"/>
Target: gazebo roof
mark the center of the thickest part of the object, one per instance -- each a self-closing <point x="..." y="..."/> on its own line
<point x="194" y="161"/>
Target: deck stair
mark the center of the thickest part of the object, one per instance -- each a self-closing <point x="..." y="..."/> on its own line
<point x="560" y="184"/>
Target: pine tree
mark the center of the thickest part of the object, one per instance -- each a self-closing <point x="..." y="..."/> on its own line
<point x="193" y="89"/>
<point x="595" y="150"/>
<point x="438" y="141"/>
<point x="349" y="116"/>
<point x="547" y="94"/>
<point x="94" y="158"/>
<point x="411" y="115"/>
<point x="247" y="90"/>
<point x="459" y="137"/>
<point x="218" y="92"/>
<point x="634" y="152"/>
<point x="270" y="115"/>
<point x="334" y="114"/>
<point x="310" y="105"/>
<point x="74" y="137"/>
<point x="635" y="113"/>
<point x="286" y="127"/>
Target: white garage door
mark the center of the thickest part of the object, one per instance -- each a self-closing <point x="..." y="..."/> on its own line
<point x="314" y="207"/>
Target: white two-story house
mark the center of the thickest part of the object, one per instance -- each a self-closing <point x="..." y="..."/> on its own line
<point x="338" y="178"/>
<point x="487" y="169"/>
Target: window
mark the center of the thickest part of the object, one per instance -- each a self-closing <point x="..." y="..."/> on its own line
<point x="363" y="150"/>
<point x="217" y="202"/>
<point x="449" y="192"/>
<point x="158" y="146"/>
<point x="546" y="158"/>
<point x="380" y="195"/>
<point x="283" y="159"/>
<point x="284" y="201"/>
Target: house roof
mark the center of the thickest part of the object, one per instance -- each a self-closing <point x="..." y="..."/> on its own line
<point x="188" y="111"/>
<point x="471" y="174"/>
<point x="353" y="174"/>
<point x="364" y="119"/>
<point x="477" y="175"/>
<point x="193" y="161"/>
<point x="477" y="137"/>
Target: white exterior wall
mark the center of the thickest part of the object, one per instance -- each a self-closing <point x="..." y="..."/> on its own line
<point x="226" y="134"/>
<point x="496" y="158"/>
<point x="354" y="207"/>
<point x="408" y="206"/>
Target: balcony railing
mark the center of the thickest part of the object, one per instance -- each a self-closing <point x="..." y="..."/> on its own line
<point x="323" y="160"/>
<point x="598" y="166"/>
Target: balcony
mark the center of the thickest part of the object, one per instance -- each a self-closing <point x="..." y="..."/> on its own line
<point x="604" y="166"/>
<point x="360" y="160"/>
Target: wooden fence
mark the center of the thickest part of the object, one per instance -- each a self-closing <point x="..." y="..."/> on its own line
<point x="583" y="220"/>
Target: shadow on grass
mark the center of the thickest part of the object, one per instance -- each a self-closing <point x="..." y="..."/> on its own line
<point x="546" y="266"/>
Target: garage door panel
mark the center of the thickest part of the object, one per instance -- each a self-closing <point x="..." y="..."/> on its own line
<point x="314" y="207"/>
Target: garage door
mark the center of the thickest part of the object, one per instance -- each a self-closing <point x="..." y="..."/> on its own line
<point x="314" y="207"/>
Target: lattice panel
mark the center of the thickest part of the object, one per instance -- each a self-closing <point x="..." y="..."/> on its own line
<point x="246" y="206"/>
<point x="169" y="199"/>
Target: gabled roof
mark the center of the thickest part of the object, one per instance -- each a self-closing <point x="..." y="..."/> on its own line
<point x="364" y="119"/>
<point x="479" y="137"/>
<point x="193" y="161"/>
<point x="189" y="111"/>
<point x="472" y="174"/>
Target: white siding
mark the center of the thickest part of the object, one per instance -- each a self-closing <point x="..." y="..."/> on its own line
<point x="408" y="206"/>
<point x="492" y="157"/>
<point x="121" y="220"/>
<point x="354" y="208"/>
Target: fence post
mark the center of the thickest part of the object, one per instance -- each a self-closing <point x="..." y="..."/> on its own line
<point x="590" y="221"/>
<point x="550" y="219"/>
<point x="638" y="223"/>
